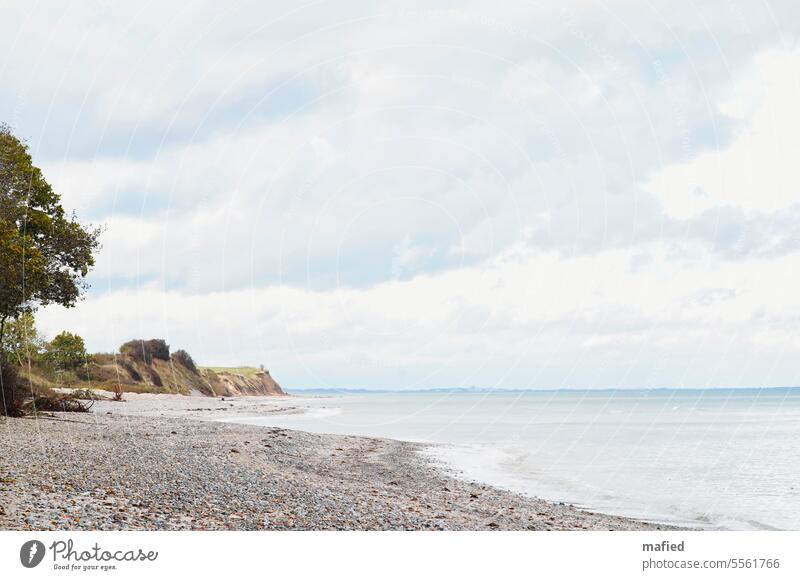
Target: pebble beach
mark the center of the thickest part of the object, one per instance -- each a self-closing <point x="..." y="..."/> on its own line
<point x="166" y="462"/>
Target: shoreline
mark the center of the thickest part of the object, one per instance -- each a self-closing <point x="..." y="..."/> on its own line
<point x="480" y="463"/>
<point x="166" y="462"/>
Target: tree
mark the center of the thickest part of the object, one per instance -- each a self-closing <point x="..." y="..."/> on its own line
<point x="45" y="253"/>
<point x="21" y="341"/>
<point x="67" y="351"/>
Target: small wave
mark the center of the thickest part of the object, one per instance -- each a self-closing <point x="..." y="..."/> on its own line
<point x="304" y="414"/>
<point x="762" y="526"/>
<point x="321" y="412"/>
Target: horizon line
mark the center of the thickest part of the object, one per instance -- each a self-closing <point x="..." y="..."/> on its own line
<point x="543" y="389"/>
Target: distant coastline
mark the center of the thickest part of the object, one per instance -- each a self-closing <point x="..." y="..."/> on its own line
<point x="479" y="390"/>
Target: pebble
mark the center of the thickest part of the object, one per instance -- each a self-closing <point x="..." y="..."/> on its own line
<point x="104" y="471"/>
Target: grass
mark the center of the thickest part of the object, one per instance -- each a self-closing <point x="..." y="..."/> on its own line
<point x="244" y="371"/>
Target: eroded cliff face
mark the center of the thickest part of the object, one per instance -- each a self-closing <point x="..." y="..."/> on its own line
<point x="160" y="376"/>
<point x="134" y="375"/>
<point x="241" y="382"/>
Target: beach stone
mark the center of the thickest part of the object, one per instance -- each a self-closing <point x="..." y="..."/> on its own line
<point x="139" y="478"/>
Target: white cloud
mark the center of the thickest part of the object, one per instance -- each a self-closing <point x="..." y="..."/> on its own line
<point x="527" y="308"/>
<point x="757" y="171"/>
<point x="382" y="194"/>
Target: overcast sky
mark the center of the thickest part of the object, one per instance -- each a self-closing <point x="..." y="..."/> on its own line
<point x="397" y="194"/>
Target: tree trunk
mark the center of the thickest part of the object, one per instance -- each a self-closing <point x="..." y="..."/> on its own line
<point x="5" y="395"/>
<point x="2" y="335"/>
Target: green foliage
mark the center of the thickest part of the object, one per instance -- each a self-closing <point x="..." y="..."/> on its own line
<point x="21" y="341"/>
<point x="86" y="394"/>
<point x="67" y="351"/>
<point x="45" y="253"/>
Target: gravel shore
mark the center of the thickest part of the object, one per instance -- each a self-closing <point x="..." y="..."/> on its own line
<point x="160" y="462"/>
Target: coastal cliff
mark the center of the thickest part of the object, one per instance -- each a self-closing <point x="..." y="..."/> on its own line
<point x="152" y="363"/>
<point x="240" y="381"/>
<point x="175" y="376"/>
<point x="148" y="366"/>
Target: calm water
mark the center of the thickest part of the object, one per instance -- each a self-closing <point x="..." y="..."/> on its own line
<point x="718" y="459"/>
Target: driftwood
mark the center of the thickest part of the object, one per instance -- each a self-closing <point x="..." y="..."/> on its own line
<point x="59" y="404"/>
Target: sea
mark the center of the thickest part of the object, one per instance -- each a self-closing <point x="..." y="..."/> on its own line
<point x="712" y="459"/>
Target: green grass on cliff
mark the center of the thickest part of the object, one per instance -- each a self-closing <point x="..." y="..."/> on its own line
<point x="244" y="371"/>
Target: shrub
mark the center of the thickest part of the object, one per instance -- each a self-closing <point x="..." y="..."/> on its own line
<point x="184" y="358"/>
<point x="118" y="392"/>
<point x="146" y="350"/>
<point x="67" y="351"/>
